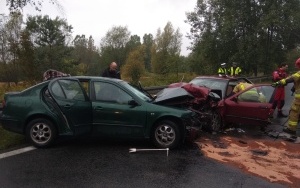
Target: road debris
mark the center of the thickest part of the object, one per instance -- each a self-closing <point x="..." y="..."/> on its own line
<point x="275" y="160"/>
<point x="259" y="152"/>
<point x="243" y="142"/>
<point x="133" y="150"/>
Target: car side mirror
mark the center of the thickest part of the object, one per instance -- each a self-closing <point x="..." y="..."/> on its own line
<point x="132" y="103"/>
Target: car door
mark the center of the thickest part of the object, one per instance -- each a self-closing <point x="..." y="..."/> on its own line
<point x="253" y="110"/>
<point x="73" y="102"/>
<point x="113" y="116"/>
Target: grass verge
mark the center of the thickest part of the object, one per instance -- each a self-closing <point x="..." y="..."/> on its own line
<point x="9" y="139"/>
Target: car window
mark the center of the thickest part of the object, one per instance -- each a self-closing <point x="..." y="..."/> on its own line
<point x="57" y="91"/>
<point x="210" y="83"/>
<point x="260" y="94"/>
<point x="218" y="86"/>
<point x="107" y="92"/>
<point x="266" y="91"/>
<point x="68" y="89"/>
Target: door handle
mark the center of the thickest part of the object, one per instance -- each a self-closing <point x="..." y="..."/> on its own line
<point x="264" y="107"/>
<point x="67" y="106"/>
<point x="98" y="108"/>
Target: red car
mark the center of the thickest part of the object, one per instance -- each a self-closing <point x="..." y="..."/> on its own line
<point x="222" y="106"/>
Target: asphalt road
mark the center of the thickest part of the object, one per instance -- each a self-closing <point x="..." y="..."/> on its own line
<point x="103" y="163"/>
<point x="107" y="163"/>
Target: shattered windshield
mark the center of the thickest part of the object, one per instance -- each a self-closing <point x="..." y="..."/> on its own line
<point x="210" y="83"/>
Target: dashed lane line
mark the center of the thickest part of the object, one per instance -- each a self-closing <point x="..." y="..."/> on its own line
<point x="16" y="152"/>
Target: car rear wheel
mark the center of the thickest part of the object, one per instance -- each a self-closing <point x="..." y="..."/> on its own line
<point x="166" y="134"/>
<point x="41" y="132"/>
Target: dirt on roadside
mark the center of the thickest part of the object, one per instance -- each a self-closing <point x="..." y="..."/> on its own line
<point x="255" y="152"/>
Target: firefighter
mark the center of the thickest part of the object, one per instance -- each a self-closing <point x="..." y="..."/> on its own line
<point x="234" y="70"/>
<point x="222" y="71"/>
<point x="295" y="107"/>
<point x="251" y="95"/>
<point x="279" y="101"/>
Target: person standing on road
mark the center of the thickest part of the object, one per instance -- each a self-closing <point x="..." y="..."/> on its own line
<point x="279" y="96"/>
<point x="293" y="127"/>
<point x="234" y="70"/>
<point x="112" y="71"/>
<point x="222" y="71"/>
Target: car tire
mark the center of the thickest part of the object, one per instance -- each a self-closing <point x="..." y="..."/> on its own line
<point x="215" y="124"/>
<point x="166" y="134"/>
<point x="41" y="132"/>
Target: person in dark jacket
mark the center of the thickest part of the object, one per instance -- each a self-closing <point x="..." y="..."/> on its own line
<point x="112" y="71"/>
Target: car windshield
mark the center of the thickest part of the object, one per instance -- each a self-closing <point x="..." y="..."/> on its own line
<point x="210" y="83"/>
<point x="136" y="91"/>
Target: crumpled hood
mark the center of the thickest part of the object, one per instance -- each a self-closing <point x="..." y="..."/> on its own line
<point x="171" y="94"/>
<point x="187" y="91"/>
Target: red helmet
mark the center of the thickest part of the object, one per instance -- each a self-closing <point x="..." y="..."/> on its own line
<point x="297" y="63"/>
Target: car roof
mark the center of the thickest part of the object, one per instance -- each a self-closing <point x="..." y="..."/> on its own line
<point x="218" y="77"/>
<point x="228" y="78"/>
<point x="96" y="78"/>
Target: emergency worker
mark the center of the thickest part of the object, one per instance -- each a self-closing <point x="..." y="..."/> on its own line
<point x="234" y="70"/>
<point x="251" y="95"/>
<point x="279" y="96"/>
<point x="222" y="71"/>
<point x="295" y="107"/>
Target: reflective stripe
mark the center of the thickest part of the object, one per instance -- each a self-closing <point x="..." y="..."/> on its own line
<point x="242" y="87"/>
<point x="251" y="91"/>
<point x="297" y="75"/>
<point x="293" y="123"/>
<point x="236" y="71"/>
<point x="222" y="70"/>
<point x="297" y="95"/>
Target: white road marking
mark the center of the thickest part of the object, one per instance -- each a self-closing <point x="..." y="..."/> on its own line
<point x="16" y="152"/>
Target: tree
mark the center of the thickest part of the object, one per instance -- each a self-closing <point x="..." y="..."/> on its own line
<point x="50" y="36"/>
<point x="134" y="66"/>
<point x="166" y="50"/>
<point x="133" y="43"/>
<point x="11" y="29"/>
<point x="148" y="42"/>
<point x="112" y="46"/>
<point x="17" y="5"/>
<point x="257" y="34"/>
<point x="26" y="56"/>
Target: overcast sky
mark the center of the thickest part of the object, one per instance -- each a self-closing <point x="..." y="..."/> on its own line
<point x="96" y="17"/>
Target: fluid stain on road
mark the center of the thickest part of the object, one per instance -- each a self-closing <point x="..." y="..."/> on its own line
<point x="276" y="160"/>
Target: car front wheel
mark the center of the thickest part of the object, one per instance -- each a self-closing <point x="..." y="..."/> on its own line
<point x="215" y="124"/>
<point x="166" y="134"/>
<point x="41" y="132"/>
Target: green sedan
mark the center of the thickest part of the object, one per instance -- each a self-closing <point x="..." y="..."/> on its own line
<point x="102" y="107"/>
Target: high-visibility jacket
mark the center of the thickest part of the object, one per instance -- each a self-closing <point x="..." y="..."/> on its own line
<point x="295" y="107"/>
<point x="251" y="95"/>
<point x="234" y="71"/>
<point x="222" y="70"/>
<point x="241" y="86"/>
<point x="296" y="79"/>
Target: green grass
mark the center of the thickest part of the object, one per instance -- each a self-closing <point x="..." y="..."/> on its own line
<point x="9" y="139"/>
